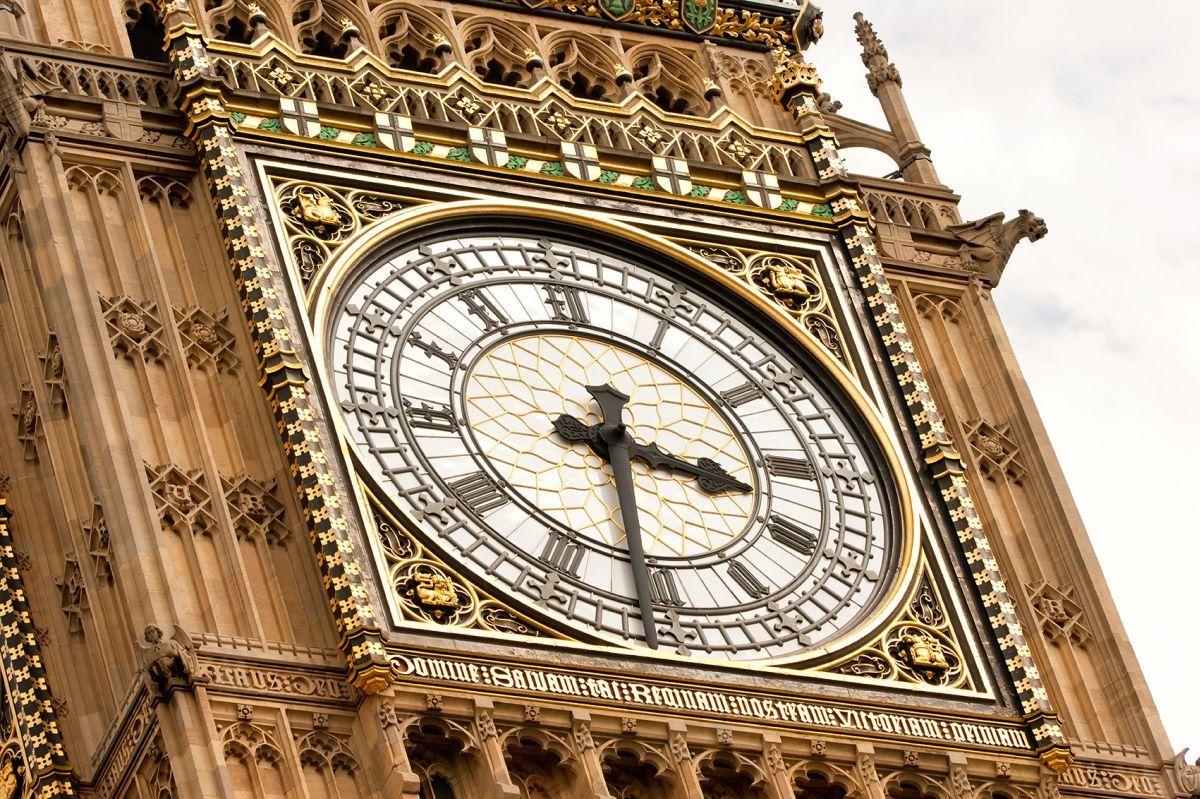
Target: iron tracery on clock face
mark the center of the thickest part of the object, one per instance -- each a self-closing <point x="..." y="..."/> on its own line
<point x="472" y="372"/>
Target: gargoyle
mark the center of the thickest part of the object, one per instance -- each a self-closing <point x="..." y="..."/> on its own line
<point x="988" y="243"/>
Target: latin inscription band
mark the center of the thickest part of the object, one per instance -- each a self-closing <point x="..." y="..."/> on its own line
<point x="729" y="703"/>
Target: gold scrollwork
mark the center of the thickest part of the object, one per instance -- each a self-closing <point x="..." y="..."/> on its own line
<point x="919" y="647"/>
<point x="430" y="592"/>
<point x="318" y="219"/>
<point x="793" y="283"/>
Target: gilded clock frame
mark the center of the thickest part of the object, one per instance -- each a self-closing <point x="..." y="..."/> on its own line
<point x="363" y="245"/>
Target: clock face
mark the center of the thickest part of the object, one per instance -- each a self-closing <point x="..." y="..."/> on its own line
<point x="599" y="439"/>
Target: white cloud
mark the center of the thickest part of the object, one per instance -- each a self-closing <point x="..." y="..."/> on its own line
<point x="1087" y="114"/>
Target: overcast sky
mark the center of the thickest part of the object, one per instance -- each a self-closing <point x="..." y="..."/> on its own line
<point x="1089" y="115"/>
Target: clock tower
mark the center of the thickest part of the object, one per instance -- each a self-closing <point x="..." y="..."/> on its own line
<point x="466" y="399"/>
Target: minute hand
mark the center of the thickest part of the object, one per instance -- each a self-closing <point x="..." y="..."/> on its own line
<point x="709" y="475"/>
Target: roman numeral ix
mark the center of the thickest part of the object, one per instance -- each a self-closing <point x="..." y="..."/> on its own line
<point x="792" y="535"/>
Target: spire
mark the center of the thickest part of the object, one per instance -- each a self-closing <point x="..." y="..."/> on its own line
<point x="874" y="55"/>
<point x="884" y="80"/>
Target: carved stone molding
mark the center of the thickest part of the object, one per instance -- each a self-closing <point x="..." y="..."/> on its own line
<point x="207" y="342"/>
<point x="134" y="328"/>
<point x="248" y="742"/>
<point x="161" y="189"/>
<point x="99" y="545"/>
<point x="273" y="679"/>
<point x="123" y="742"/>
<point x="73" y="595"/>
<point x="996" y="453"/>
<point x="938" y="305"/>
<point x="81" y="177"/>
<point x="1059" y="615"/>
<point x="29" y="423"/>
<point x="182" y="501"/>
<point x="1111" y="779"/>
<point x="254" y="509"/>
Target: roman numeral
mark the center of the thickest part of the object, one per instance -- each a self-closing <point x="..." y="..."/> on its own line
<point x="432" y="349"/>
<point x="663" y="590"/>
<point x="799" y="468"/>
<point x="566" y="303"/>
<point x="479" y="492"/>
<point x="562" y="551"/>
<point x="792" y="535"/>
<point x="744" y="393"/>
<point x="483" y="307"/>
<point x="430" y="417"/>
<point x="746" y="579"/>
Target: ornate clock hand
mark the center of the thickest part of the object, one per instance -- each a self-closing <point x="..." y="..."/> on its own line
<point x="709" y="475"/>
<point x="613" y="434"/>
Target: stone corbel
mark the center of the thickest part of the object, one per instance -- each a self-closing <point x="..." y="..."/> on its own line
<point x="497" y="784"/>
<point x="15" y="112"/>
<point x="385" y="738"/>
<point x="168" y="664"/>
<point x="589" y="758"/>
<point x="685" y="765"/>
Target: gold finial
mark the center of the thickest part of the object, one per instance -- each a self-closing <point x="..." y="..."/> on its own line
<point x="350" y="31"/>
<point x="532" y="59"/>
<point x="441" y="45"/>
<point x="791" y="72"/>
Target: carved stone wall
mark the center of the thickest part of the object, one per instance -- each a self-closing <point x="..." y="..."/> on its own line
<point x="1041" y="543"/>
<point x="141" y="471"/>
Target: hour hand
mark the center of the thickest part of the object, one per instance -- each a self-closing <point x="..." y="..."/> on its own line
<point x="709" y="474"/>
<point x="571" y="429"/>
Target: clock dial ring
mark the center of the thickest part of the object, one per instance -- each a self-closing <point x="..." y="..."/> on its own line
<point x="889" y="470"/>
